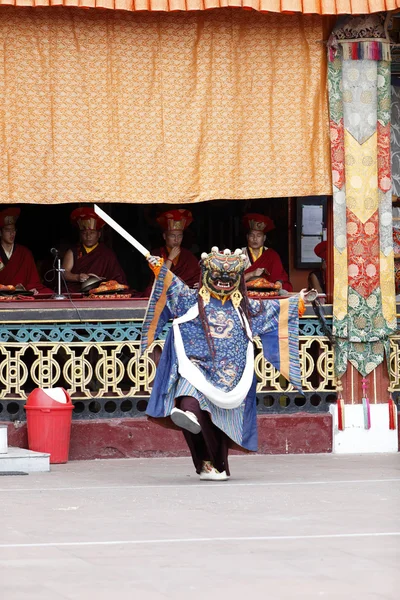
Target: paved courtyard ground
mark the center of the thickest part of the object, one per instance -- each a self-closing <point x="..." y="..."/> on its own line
<point x="283" y="528"/>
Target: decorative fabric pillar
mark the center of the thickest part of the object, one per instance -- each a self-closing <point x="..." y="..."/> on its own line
<point x="364" y="308"/>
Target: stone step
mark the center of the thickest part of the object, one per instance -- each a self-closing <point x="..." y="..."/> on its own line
<point x="24" y="461"/>
<point x="3" y="439"/>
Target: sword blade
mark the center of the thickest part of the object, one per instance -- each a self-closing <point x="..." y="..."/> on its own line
<point x="127" y="236"/>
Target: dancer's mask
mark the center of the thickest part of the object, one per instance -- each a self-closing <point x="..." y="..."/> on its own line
<point x="220" y="274"/>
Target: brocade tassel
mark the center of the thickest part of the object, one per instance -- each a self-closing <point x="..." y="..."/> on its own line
<point x="340" y="407"/>
<point x="392" y="414"/>
<point x="366" y="406"/>
<point x="367" y="413"/>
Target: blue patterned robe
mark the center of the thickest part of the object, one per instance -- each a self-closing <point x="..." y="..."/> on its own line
<point x="274" y="321"/>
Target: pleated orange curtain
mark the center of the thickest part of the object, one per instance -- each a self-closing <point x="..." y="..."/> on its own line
<point x="320" y="7"/>
<point x="111" y="106"/>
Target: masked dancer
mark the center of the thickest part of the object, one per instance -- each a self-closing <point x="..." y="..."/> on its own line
<point x="205" y="382"/>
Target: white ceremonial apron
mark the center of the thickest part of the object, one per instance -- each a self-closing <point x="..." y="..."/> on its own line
<point x="192" y="373"/>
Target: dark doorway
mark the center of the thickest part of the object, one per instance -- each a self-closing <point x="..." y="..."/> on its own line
<point x="216" y="223"/>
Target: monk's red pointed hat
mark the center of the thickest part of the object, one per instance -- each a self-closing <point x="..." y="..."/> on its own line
<point x="171" y="220"/>
<point x="321" y="249"/>
<point x="9" y="216"/>
<point x="84" y="217"/>
<point x="255" y="221"/>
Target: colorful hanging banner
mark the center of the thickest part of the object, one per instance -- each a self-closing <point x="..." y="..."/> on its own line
<point x="359" y="101"/>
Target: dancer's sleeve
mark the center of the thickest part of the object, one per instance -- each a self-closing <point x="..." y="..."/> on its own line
<point x="276" y="322"/>
<point x="166" y="301"/>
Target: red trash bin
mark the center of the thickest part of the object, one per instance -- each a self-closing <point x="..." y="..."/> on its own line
<point x="48" y="417"/>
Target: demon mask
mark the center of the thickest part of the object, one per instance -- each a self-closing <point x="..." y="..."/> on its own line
<point x="220" y="275"/>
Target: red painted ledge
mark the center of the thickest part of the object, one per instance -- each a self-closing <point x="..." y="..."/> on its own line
<point x="299" y="433"/>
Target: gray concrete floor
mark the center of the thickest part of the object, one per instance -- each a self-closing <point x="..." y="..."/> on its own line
<point x="283" y="528"/>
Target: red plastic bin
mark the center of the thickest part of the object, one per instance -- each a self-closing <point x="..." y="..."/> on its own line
<point x="49" y="423"/>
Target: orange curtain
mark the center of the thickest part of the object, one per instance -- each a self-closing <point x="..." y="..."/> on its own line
<point x="319" y="7"/>
<point x="110" y="106"/>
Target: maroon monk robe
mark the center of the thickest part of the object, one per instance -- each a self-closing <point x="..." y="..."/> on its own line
<point x="270" y="261"/>
<point x="101" y="261"/>
<point x="21" y="268"/>
<point x="187" y="268"/>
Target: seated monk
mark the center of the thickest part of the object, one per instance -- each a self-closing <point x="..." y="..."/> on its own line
<point x="263" y="261"/>
<point x="17" y="266"/>
<point x="180" y="261"/>
<point x="90" y="256"/>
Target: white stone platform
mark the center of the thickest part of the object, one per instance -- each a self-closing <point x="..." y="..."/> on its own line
<point x="24" y="461"/>
<point x="355" y="439"/>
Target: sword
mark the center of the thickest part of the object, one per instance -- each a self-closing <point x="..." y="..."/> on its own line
<point x="129" y="238"/>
